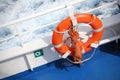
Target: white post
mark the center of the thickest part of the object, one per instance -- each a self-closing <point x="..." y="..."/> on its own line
<point x="18" y="34"/>
<point x="71" y="14"/>
<point x="28" y="62"/>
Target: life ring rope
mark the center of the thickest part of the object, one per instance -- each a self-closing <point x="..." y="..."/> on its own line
<point x="82" y="61"/>
<point x="60" y="32"/>
<point x="98" y="30"/>
<point x="79" y="47"/>
<point x="59" y="45"/>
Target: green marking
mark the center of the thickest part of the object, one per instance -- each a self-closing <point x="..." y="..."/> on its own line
<point x="38" y="53"/>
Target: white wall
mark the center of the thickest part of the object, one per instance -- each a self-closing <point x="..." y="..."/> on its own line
<point x="22" y="63"/>
<point x="12" y="67"/>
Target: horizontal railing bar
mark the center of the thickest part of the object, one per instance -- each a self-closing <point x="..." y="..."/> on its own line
<point x="37" y="14"/>
<point x="50" y="10"/>
<point x="10" y="37"/>
<point x="23" y="19"/>
<point x="108" y="4"/>
<point x="109" y="40"/>
<point x="14" y="35"/>
<point x="39" y="27"/>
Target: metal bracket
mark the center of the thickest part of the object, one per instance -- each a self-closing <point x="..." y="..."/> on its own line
<point x="71" y="14"/>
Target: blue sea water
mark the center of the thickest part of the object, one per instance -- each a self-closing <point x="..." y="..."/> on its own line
<point x="15" y="9"/>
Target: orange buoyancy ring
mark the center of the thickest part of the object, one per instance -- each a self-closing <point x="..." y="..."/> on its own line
<point x="93" y="21"/>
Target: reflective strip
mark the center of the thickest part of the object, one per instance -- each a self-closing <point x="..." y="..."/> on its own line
<point x="67" y="53"/>
<point x="58" y="46"/>
<point x="62" y="32"/>
<point x="98" y="30"/>
<point x="94" y="17"/>
<point x="83" y="50"/>
<point x="94" y="45"/>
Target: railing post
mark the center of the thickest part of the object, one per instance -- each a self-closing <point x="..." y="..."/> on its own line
<point x="71" y="14"/>
<point x="28" y="62"/>
<point x="19" y="36"/>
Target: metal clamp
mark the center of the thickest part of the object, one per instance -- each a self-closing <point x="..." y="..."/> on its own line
<point x="71" y="14"/>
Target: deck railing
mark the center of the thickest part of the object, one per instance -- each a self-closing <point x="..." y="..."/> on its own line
<point x="20" y="34"/>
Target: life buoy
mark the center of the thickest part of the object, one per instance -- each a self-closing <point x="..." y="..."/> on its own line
<point x="57" y="37"/>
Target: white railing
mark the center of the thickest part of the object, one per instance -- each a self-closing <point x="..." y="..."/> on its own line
<point x="39" y="14"/>
<point x="19" y="35"/>
<point x="23" y="33"/>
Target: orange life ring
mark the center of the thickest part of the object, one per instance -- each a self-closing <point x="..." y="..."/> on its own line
<point x="93" y="21"/>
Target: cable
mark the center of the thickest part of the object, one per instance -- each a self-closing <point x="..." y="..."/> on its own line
<point x="82" y="60"/>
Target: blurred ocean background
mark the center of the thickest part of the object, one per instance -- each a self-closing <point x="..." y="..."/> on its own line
<point x="15" y="9"/>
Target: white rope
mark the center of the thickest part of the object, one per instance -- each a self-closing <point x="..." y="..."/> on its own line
<point x="60" y="32"/>
<point x="67" y="53"/>
<point x="59" y="45"/>
<point x="98" y="30"/>
<point x="93" y="20"/>
<point x="78" y="62"/>
<point x="93" y="51"/>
